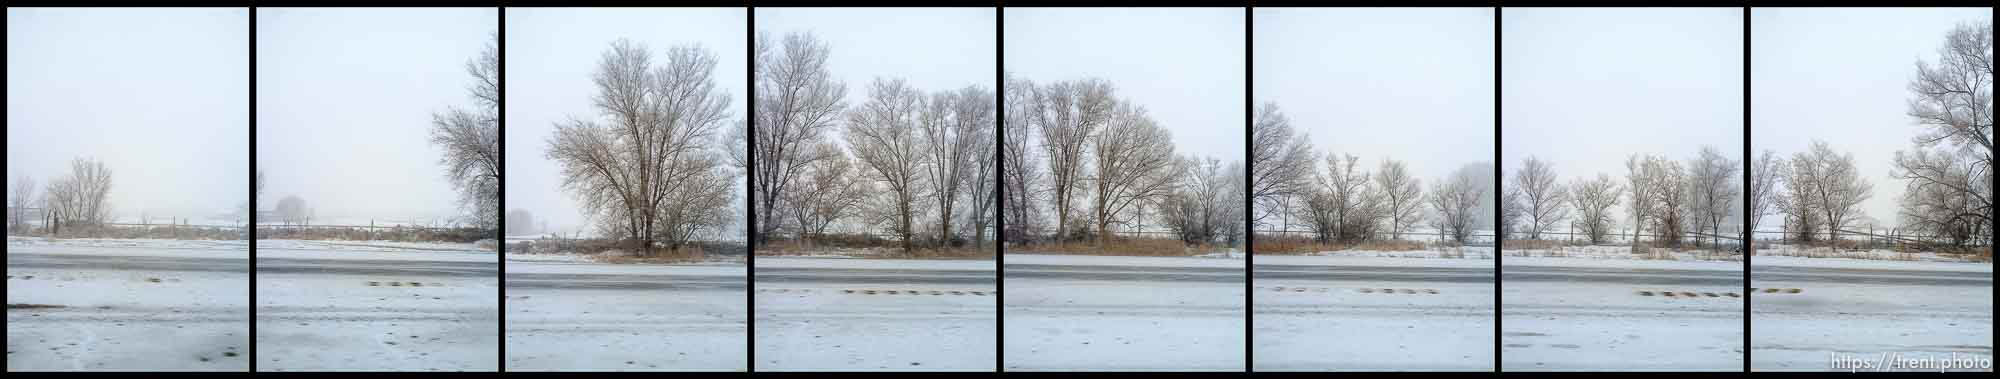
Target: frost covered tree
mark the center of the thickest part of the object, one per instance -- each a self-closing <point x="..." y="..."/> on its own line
<point x="1641" y="180"/>
<point x="1281" y="161"/>
<point x="1403" y="194"/>
<point x="649" y="170"/>
<point x="882" y="133"/>
<point x="1832" y="188"/>
<point x="1454" y="201"/>
<point x="1542" y="199"/>
<point x="292" y="210"/>
<point x="1713" y="189"/>
<point x="470" y="140"/>
<point x="1133" y="164"/>
<point x="18" y="202"/>
<point x="829" y="191"/>
<point x="1764" y="181"/>
<point x="951" y="127"/>
<point x="1592" y="199"/>
<point x="1948" y="172"/>
<point x="81" y="198"/>
<point x="1066" y="115"/>
<point x="1200" y="209"/>
<point x="1021" y="177"/>
<point x="799" y="101"/>
<point x="1350" y="206"/>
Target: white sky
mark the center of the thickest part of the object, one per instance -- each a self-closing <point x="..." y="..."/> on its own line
<point x="1185" y="65"/>
<point x="1585" y="88"/>
<point x="161" y="96"/>
<point x="935" y="49"/>
<point x="344" y="104"/>
<point x="1841" y="75"/>
<point x="1412" y="84"/>
<point x="551" y="54"/>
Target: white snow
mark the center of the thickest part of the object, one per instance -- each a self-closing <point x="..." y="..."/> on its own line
<point x="1804" y="331"/>
<point x="906" y="264"/>
<point x="1311" y="325"/>
<point x="330" y="321"/>
<point x="1871" y="264"/>
<point x="1104" y="260"/>
<point x="564" y="329"/>
<point x="1619" y="253"/>
<point x="127" y="320"/>
<point x="923" y="326"/>
<point x="1097" y="325"/>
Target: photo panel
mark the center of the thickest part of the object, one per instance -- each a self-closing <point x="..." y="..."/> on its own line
<point x="1870" y="194"/>
<point x="1622" y="133"/>
<point x="613" y="110"/>
<point x="875" y="189"/>
<point x="1125" y="189"/>
<point x="1372" y="189"/>
<point x="128" y="189"/>
<point x="377" y="191"/>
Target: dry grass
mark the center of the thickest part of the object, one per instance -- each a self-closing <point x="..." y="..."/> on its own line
<point x="1530" y="244"/>
<point x="398" y="234"/>
<point x="167" y="231"/>
<point x="876" y="249"/>
<point x="1275" y="245"/>
<point x="1140" y="247"/>
<point x="686" y="254"/>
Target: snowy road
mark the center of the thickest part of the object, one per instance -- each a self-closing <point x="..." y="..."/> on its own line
<point x="127" y="308"/>
<point x="629" y="317"/>
<point x="1372" y="314"/>
<point x="1562" y="314"/>
<point x="334" y="308"/>
<point x="874" y="315"/>
<point x="1096" y="313"/>
<point x="1865" y="309"/>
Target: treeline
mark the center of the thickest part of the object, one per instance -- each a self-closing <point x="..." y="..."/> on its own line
<point x="916" y="164"/>
<point x="1082" y="164"/>
<point x="79" y="200"/>
<point x="1341" y="202"/>
<point x="1670" y="198"/>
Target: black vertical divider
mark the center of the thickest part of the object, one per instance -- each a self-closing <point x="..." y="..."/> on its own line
<point x="1000" y="218"/>
<point x="750" y="184"/>
<point x="500" y="45"/>
<point x="250" y="230"/>
<point x="1499" y="240"/>
<point x="1748" y="237"/>
<point x="1249" y="240"/>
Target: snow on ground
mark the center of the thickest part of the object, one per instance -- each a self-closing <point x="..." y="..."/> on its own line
<point x="366" y="307"/>
<point x="1342" y="321"/>
<point x="1865" y="309"/>
<point x="1597" y="314"/>
<point x="1466" y="252"/>
<point x="149" y="247"/>
<point x="385" y="246"/>
<point x="1789" y="251"/>
<point x="148" y="312"/>
<point x="606" y="317"/>
<point x="875" y="315"/>
<point x="1100" y="313"/>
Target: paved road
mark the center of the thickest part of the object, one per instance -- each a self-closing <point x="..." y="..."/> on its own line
<point x="873" y="276"/>
<point x="118" y="262"/>
<point x="1125" y="273"/>
<point x="1635" y="276"/>
<point x="1871" y="276"/>
<point x="625" y="281"/>
<point x="1376" y="273"/>
<point x="377" y="267"/>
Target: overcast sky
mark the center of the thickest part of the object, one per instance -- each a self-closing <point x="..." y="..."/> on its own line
<point x="1585" y="88"/>
<point x="1841" y="75"/>
<point x="1185" y="65"/>
<point x="1412" y="84"/>
<point x="935" y="49"/>
<point x="344" y="105"/>
<point x="161" y="96"/>
<point x="551" y="55"/>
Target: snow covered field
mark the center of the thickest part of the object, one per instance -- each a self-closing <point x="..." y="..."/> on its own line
<point x="1365" y="311"/>
<point x="371" y="306"/>
<point x="1602" y="314"/>
<point x="818" y="314"/>
<point x="1865" y="309"/>
<point x="631" y="317"/>
<point x="1100" y="313"/>
<point x="127" y="305"/>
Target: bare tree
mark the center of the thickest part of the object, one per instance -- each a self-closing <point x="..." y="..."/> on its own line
<point x="982" y="175"/>
<point x="292" y="210"/>
<point x="1404" y="194"/>
<point x="1640" y="171"/>
<point x="1714" y="188"/>
<point x="1510" y="213"/>
<point x="1134" y="162"/>
<point x="1200" y="209"/>
<point x="1593" y="199"/>
<point x="471" y="142"/>
<point x="882" y="134"/>
<point x="1020" y="176"/>
<point x="1542" y="199"/>
<point x="950" y="126"/>
<point x="1948" y="173"/>
<point x="799" y="101"/>
<point x="1833" y="188"/>
<point x="1673" y="202"/>
<point x="1764" y="181"/>
<point x="650" y="173"/>
<point x="1348" y="198"/>
<point x="1067" y="115"/>
<point x="828" y="192"/>
<point x="1950" y="203"/>
<point x="1454" y="201"/>
<point x="23" y="193"/>
<point x="1281" y="161"/>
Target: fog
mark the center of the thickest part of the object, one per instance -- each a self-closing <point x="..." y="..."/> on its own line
<point x="1185" y="65"/>
<point x="344" y="104"/>
<point x="1411" y="84"/>
<point x="1841" y="75"/>
<point x="159" y="95"/>
<point x="1586" y="88"/>
<point x="551" y="54"/>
